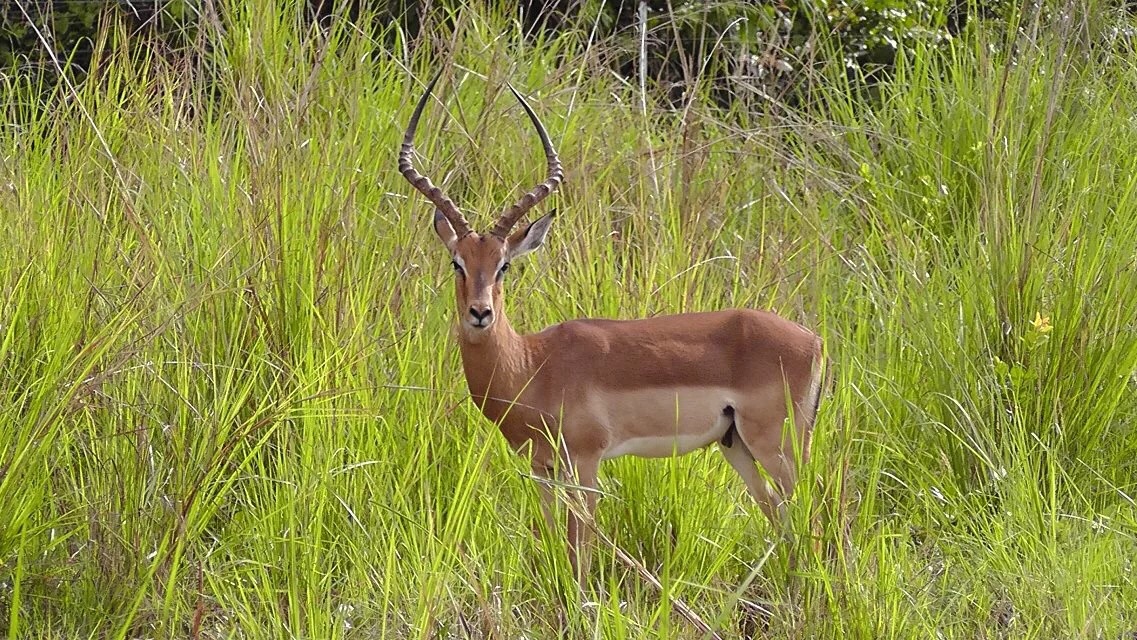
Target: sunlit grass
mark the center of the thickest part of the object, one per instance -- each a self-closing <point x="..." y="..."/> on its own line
<point x="231" y="401"/>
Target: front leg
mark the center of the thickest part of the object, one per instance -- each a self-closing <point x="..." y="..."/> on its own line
<point x="544" y="476"/>
<point x="585" y="471"/>
<point x="581" y="506"/>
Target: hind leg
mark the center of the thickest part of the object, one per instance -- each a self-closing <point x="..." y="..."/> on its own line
<point x="763" y="493"/>
<point x="774" y="445"/>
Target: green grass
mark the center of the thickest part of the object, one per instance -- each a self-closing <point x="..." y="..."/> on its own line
<point x="231" y="405"/>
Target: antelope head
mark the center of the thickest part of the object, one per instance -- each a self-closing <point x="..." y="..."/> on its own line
<point x="481" y="260"/>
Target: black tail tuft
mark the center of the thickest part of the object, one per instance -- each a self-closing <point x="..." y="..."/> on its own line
<point x="728" y="437"/>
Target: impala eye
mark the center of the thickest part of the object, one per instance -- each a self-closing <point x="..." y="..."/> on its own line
<point x="457" y="267"/>
<point x="505" y="267"/>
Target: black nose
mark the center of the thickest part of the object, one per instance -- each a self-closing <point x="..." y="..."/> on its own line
<point x="481" y="315"/>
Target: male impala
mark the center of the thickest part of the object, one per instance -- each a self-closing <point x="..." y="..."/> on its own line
<point x="585" y="390"/>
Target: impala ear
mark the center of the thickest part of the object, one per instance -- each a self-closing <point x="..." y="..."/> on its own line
<point x="531" y="237"/>
<point x="444" y="230"/>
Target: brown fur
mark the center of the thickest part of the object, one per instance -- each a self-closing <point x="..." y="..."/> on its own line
<point x="583" y="383"/>
<point x="584" y="390"/>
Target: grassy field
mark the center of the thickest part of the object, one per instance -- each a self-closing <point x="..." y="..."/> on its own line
<point x="231" y="404"/>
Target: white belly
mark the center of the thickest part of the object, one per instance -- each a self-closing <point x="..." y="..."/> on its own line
<point x="656" y="423"/>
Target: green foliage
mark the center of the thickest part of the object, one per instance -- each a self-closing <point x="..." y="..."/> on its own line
<point x="34" y="35"/>
<point x="761" y="39"/>
<point x="232" y="406"/>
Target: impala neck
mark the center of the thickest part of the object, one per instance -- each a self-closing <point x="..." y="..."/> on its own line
<point x="496" y="363"/>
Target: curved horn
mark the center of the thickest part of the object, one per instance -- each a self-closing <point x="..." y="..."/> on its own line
<point x="539" y="192"/>
<point x="421" y="182"/>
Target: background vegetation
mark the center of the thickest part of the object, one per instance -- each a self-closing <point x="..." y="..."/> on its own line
<point x="231" y="406"/>
<point x="755" y="39"/>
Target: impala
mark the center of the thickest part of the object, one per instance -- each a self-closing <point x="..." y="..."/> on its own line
<point x="586" y="390"/>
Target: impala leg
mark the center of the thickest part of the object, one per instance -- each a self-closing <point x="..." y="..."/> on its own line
<point x="739" y="457"/>
<point x="585" y="471"/>
<point x="781" y="470"/>
<point x="763" y="442"/>
<point x="545" y="490"/>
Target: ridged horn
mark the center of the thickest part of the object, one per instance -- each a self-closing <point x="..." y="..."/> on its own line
<point x="421" y="182"/>
<point x="540" y="192"/>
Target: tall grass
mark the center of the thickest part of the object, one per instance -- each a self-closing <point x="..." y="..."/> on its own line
<point x="232" y="407"/>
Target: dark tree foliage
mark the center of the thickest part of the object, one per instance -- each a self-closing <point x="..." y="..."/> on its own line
<point x="383" y="13"/>
<point x="768" y="43"/>
<point x="33" y="32"/>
